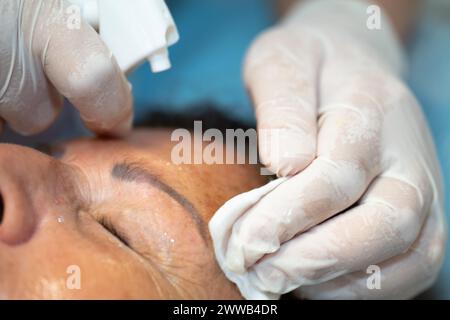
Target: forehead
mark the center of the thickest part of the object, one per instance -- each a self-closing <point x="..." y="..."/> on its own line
<point x="206" y="186"/>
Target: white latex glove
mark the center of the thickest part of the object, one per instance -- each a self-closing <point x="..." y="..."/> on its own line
<point x="367" y="185"/>
<point x="42" y="58"/>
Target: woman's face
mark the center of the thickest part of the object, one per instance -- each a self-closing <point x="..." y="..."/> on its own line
<point x="112" y="219"/>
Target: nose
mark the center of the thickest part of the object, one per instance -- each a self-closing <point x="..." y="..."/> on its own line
<point x="27" y="185"/>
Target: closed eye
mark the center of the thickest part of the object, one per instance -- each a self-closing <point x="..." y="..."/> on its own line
<point x="132" y="172"/>
<point x="107" y="224"/>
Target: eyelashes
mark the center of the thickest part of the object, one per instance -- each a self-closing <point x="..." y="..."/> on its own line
<point x="106" y="223"/>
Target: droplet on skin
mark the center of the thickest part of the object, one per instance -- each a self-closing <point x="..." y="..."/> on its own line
<point x="60" y="219"/>
<point x="166" y="238"/>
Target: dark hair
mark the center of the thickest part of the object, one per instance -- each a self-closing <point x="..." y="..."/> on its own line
<point x="207" y="113"/>
<point x="210" y="116"/>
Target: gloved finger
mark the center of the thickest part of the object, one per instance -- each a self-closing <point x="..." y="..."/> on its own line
<point x="34" y="111"/>
<point x="349" y="159"/>
<point x="29" y="103"/>
<point x="84" y="70"/>
<point x="401" y="277"/>
<point x="385" y="224"/>
<point x="282" y="78"/>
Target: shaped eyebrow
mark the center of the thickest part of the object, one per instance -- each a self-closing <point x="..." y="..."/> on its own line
<point x="133" y="172"/>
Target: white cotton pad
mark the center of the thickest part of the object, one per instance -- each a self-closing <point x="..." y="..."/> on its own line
<point x="220" y="228"/>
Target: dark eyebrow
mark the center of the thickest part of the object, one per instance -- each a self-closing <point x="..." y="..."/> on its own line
<point x="133" y="172"/>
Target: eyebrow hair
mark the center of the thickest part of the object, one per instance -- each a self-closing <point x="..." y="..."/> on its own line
<point x="133" y="172"/>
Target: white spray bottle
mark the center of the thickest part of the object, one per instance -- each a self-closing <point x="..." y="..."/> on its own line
<point x="134" y="30"/>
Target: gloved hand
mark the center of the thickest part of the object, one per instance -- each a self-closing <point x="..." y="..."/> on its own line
<point x="43" y="55"/>
<point x="365" y="189"/>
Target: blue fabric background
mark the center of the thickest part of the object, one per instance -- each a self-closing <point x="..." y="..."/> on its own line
<point x="207" y="61"/>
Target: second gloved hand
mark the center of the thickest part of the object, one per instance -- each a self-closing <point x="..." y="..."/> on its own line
<point x="365" y="187"/>
<point x="44" y="55"/>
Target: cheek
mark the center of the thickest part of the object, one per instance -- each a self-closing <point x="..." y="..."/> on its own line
<point x="64" y="263"/>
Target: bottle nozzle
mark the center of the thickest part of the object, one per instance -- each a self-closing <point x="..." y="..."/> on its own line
<point x="159" y="61"/>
